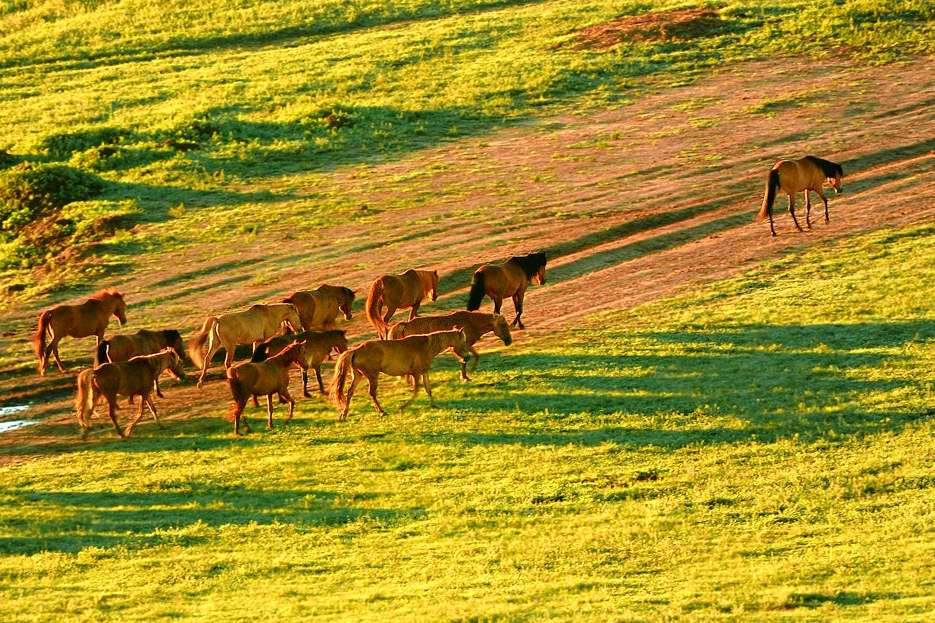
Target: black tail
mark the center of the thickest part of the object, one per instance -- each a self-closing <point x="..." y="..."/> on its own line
<point x="101" y="355"/>
<point x="477" y="292"/>
<point x="772" y="183"/>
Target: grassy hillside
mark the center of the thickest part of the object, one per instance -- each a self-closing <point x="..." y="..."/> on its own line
<point x="734" y="453"/>
<point x="192" y="117"/>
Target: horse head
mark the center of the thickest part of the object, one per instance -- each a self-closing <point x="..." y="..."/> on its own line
<point x="501" y="329"/>
<point x="835" y="181"/>
<point x="175" y="363"/>
<point x="345" y="304"/>
<point x="120" y="308"/>
<point x="339" y="344"/>
<point x="291" y="318"/>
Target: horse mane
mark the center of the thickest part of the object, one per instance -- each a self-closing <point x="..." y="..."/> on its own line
<point x="529" y="263"/>
<point x="828" y="168"/>
<point x="105" y="293"/>
<point x="348" y="292"/>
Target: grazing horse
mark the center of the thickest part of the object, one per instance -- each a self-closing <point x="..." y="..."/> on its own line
<point x="318" y="347"/>
<point x="475" y="325"/>
<point x="264" y="379"/>
<point x="251" y="326"/>
<point x="410" y="356"/>
<point x="135" y="377"/>
<point x="319" y="308"/>
<point x="88" y="318"/>
<point x="399" y="292"/>
<point x="511" y="278"/>
<point x="791" y="176"/>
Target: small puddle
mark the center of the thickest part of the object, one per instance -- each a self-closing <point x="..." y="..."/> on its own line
<point x="14" y="424"/>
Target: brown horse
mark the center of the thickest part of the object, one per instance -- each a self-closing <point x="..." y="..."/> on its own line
<point x="251" y="326"/>
<point x="143" y="342"/>
<point x="88" y="318"/>
<point x="318" y="347"/>
<point x="399" y="292"/>
<point x="410" y="356"/>
<point x="135" y="377"/>
<point x="475" y="325"/>
<point x="510" y="278"/>
<point x="791" y="176"/>
<point x="319" y="308"/>
<point x="264" y="379"/>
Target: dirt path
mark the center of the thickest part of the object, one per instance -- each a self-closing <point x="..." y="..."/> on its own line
<point x="632" y="204"/>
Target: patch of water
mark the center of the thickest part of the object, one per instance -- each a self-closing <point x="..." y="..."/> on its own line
<point x="4" y="411"/>
<point x="14" y="424"/>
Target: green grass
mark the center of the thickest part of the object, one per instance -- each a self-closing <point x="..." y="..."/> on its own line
<point x="258" y="87"/>
<point x="759" y="450"/>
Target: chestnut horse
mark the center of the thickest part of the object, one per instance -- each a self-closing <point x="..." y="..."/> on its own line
<point x="319" y="308"/>
<point x="143" y="342"/>
<point x="135" y="377"/>
<point x="318" y="347"/>
<point x="510" y="278"/>
<point x="264" y="379"/>
<point x="410" y="356"/>
<point x="475" y="325"/>
<point x="791" y="176"/>
<point x="83" y="320"/>
<point x="399" y="292"/>
<point x="250" y="326"/>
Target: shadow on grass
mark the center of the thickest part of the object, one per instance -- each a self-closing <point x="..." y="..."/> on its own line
<point x="183" y="515"/>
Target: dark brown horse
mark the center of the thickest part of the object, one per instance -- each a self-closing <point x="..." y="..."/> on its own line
<point x="510" y="278"/>
<point x="135" y="377"/>
<point x="319" y="308"/>
<point x="83" y="320"/>
<point x="318" y="347"/>
<point x="792" y="176"/>
<point x="399" y="292"/>
<point x="264" y="379"/>
<point x="143" y="342"/>
<point x="475" y="325"/>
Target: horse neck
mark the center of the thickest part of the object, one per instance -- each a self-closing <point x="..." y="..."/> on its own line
<point x="440" y="341"/>
<point x="160" y="362"/>
<point x="284" y="358"/>
<point x="482" y="322"/>
<point x="426" y="278"/>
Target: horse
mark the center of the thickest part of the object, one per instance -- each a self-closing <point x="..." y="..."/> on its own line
<point x="264" y="379"/>
<point x="318" y="347"/>
<point x="83" y="320"/>
<point x="319" y="308"/>
<point x="143" y="342"/>
<point x="409" y="356"/>
<point x="510" y="278"/>
<point x="135" y="377"/>
<point x="808" y="173"/>
<point x="399" y="292"/>
<point x="475" y="325"/>
<point x="250" y="326"/>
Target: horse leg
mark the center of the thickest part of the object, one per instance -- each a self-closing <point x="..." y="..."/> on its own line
<point x="476" y="357"/>
<point x="415" y="392"/>
<point x="209" y="355"/>
<point x="808" y="209"/>
<point x="792" y="212"/>
<point x="305" y="384"/>
<point x="518" y="306"/>
<point x="350" y="392"/>
<point x="372" y="382"/>
<point x="152" y="408"/>
<point x="52" y="349"/>
<point x="825" y="199"/>
<point x="139" y="416"/>
<point x="321" y="385"/>
<point x="284" y="396"/>
<point x="112" y="412"/>
<point x="269" y="411"/>
<point x="238" y="413"/>
<point x="497" y="302"/>
<point x="390" y="310"/>
<point x="414" y="310"/>
<point x="156" y="387"/>
<point x="428" y="388"/>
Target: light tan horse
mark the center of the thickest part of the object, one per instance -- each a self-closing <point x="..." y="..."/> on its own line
<point x="410" y="356"/>
<point x="250" y="326"/>
<point x="475" y="325"/>
<point x="319" y="308"/>
<point x="264" y="379"/>
<point x="135" y="377"/>
<point x="399" y="292"/>
<point x="83" y="320"/>
<point x="318" y="347"/>
<point x="510" y="278"/>
<point x="792" y="176"/>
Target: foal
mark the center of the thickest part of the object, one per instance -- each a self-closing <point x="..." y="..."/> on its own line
<point x="264" y="379"/>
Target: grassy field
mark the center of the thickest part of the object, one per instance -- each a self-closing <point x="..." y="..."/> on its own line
<point x="735" y="453"/>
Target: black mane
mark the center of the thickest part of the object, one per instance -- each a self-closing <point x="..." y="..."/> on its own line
<point x="529" y="263"/>
<point x="828" y="168"/>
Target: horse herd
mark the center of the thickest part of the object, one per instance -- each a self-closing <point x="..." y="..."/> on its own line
<point x="130" y="365"/>
<point x="298" y="332"/>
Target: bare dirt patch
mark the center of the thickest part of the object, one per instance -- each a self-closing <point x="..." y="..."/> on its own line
<point x="654" y="26"/>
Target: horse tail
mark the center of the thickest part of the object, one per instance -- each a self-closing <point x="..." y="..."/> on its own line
<point x="84" y="398"/>
<point x="38" y="338"/>
<point x="102" y="356"/>
<point x="196" y="344"/>
<point x="238" y="391"/>
<point x="374" y="303"/>
<point x="478" y="290"/>
<point x="772" y="184"/>
<point x="341" y="367"/>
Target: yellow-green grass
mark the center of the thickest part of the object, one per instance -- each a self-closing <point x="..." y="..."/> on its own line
<point x="760" y="450"/>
